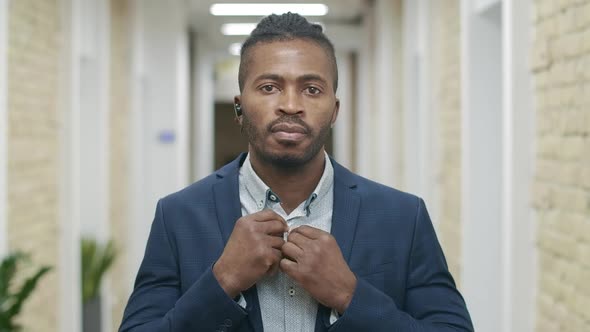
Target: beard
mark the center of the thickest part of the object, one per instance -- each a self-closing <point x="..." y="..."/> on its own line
<point x="257" y="139"/>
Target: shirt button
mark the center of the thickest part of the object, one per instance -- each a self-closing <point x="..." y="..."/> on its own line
<point x="227" y="322"/>
<point x="291" y="291"/>
<point x="273" y="198"/>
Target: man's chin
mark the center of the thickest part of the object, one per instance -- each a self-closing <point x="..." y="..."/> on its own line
<point x="286" y="160"/>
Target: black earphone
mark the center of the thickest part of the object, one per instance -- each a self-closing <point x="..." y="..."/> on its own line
<point x="238" y="110"/>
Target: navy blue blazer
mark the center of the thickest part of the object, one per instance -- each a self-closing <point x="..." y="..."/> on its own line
<point x="385" y="235"/>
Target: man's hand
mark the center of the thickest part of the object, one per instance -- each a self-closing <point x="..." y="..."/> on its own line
<point x="252" y="251"/>
<point x="315" y="262"/>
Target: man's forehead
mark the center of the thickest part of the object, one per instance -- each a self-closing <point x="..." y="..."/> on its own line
<point x="284" y="56"/>
<point x="277" y="48"/>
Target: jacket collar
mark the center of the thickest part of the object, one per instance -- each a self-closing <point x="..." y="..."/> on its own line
<point x="231" y="170"/>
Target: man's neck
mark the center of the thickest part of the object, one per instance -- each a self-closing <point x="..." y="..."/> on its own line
<point x="292" y="185"/>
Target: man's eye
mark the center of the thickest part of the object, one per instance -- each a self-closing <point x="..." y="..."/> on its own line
<point x="268" y="88"/>
<point x="313" y="90"/>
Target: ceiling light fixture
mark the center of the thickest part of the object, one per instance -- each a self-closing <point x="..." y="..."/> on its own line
<point x="237" y="29"/>
<point x="263" y="9"/>
<point x="235" y="48"/>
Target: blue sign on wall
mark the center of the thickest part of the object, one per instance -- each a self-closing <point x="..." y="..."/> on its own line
<point x="167" y="136"/>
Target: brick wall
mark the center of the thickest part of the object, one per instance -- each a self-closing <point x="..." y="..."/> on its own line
<point x="561" y="71"/>
<point x="446" y="90"/>
<point x="120" y="152"/>
<point x="34" y="41"/>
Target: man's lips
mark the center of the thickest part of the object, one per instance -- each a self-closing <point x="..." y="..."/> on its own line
<point x="288" y="132"/>
<point x="288" y="128"/>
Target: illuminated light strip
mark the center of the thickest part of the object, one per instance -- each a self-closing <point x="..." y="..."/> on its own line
<point x="237" y="29"/>
<point x="263" y="9"/>
<point x="235" y="48"/>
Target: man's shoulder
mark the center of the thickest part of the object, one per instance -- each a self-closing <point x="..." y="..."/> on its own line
<point x="194" y="194"/>
<point x="372" y="190"/>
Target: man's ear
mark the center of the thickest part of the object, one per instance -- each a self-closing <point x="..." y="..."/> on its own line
<point x="238" y="109"/>
<point x="335" y="113"/>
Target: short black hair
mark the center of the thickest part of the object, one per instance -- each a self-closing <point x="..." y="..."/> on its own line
<point x="286" y="27"/>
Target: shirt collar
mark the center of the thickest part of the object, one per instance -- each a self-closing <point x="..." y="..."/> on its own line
<point x="262" y="193"/>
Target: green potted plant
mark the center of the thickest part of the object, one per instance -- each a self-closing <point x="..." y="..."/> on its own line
<point x="96" y="260"/>
<point x="12" y="296"/>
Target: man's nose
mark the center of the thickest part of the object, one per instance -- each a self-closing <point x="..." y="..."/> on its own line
<point x="291" y="102"/>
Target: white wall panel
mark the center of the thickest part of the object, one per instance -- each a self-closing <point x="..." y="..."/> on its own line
<point x="387" y="94"/>
<point x="343" y="128"/>
<point x="160" y="88"/>
<point x="518" y="166"/>
<point x="417" y="114"/>
<point x="481" y="203"/>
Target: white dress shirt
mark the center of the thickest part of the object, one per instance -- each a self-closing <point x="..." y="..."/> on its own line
<point x="284" y="306"/>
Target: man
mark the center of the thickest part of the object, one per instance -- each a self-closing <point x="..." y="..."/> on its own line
<point x="284" y="238"/>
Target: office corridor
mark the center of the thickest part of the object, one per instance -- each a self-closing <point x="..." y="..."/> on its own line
<point x="481" y="107"/>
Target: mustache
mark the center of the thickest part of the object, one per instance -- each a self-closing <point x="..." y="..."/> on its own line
<point x="291" y="119"/>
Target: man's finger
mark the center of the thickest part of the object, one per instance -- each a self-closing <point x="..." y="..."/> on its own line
<point x="267" y="215"/>
<point x="274" y="268"/>
<point x="299" y="240"/>
<point x="289" y="267"/>
<point x="278" y="255"/>
<point x="292" y="251"/>
<point x="309" y="232"/>
<point x="273" y="227"/>
<point x="276" y="242"/>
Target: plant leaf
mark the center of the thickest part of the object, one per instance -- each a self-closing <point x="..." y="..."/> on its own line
<point x="26" y="290"/>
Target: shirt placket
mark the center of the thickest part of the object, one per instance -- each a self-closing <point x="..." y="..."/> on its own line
<point x="294" y="304"/>
<point x="292" y="314"/>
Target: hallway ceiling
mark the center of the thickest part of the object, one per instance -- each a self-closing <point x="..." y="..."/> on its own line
<point x="341" y="23"/>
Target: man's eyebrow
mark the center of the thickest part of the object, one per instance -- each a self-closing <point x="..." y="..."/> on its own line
<point x="272" y="77"/>
<point x="302" y="78"/>
<point x="312" y="77"/>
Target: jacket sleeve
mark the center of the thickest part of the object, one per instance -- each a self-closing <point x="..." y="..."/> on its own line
<point x="432" y="301"/>
<point x="157" y="304"/>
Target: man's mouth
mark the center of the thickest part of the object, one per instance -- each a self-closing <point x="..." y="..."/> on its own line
<point x="288" y="132"/>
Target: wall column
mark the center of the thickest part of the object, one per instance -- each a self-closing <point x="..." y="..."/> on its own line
<point x="519" y="255"/>
<point x="3" y="124"/>
<point x="481" y="200"/>
<point x="70" y="316"/>
<point x="417" y="114"/>
<point x="342" y="141"/>
<point x="387" y="125"/>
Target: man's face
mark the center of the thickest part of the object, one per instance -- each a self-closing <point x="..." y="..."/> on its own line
<point x="288" y="101"/>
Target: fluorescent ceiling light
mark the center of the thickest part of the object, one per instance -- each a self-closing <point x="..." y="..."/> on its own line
<point x="244" y="29"/>
<point x="235" y="48"/>
<point x="237" y="29"/>
<point x="263" y="9"/>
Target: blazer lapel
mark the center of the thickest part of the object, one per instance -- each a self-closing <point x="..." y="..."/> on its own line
<point x="227" y="201"/>
<point x="344" y="219"/>
<point x="346" y="209"/>
<point x="228" y="208"/>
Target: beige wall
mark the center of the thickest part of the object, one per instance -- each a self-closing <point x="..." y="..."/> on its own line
<point x="561" y="70"/>
<point x="34" y="40"/>
<point x="120" y="152"/>
<point x="446" y="91"/>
